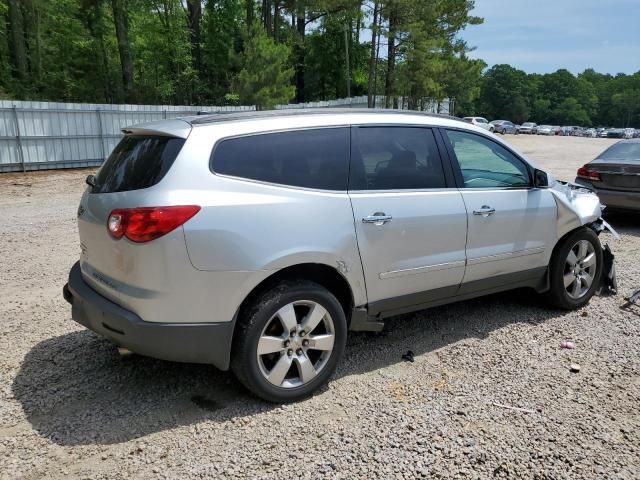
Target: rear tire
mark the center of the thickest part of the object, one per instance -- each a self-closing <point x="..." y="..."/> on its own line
<point x="575" y="270"/>
<point x="274" y="357"/>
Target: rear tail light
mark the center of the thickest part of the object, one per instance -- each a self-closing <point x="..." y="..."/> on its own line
<point x="588" y="174"/>
<point x="148" y="223"/>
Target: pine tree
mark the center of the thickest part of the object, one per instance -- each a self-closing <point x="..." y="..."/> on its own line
<point x="265" y="74"/>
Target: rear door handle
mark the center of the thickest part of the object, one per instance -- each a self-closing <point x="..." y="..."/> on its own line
<point x="485" y="211"/>
<point x="378" y="218"/>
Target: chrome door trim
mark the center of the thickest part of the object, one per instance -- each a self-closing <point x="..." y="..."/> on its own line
<point x="419" y="270"/>
<point x="506" y="256"/>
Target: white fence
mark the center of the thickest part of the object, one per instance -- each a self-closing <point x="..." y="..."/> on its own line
<point x="45" y="135"/>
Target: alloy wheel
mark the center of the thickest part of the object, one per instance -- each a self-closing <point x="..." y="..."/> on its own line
<point x="580" y="269"/>
<point x="296" y="344"/>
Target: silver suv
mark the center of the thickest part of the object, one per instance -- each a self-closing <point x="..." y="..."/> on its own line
<point x="255" y="241"/>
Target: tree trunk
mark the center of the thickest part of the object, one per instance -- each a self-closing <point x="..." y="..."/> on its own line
<point x="18" y="46"/>
<point x="359" y="20"/>
<point x="389" y="90"/>
<point x="266" y="17"/>
<point x="373" y="59"/>
<point x="276" y="19"/>
<point x="122" y="34"/>
<point x="301" y="27"/>
<point x="249" y="6"/>
<point x="375" y="75"/>
<point x="194" y="15"/>
<point x="92" y="15"/>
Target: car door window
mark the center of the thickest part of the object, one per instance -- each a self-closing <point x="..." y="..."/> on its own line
<point x="485" y="163"/>
<point x="317" y="158"/>
<point x="395" y="158"/>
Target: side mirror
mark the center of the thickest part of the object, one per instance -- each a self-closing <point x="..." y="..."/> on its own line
<point x="90" y="180"/>
<point x="540" y="179"/>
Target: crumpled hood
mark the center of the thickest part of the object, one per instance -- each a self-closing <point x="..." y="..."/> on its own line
<point x="577" y="206"/>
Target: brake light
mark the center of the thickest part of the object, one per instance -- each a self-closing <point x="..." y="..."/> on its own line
<point x="145" y="224"/>
<point x="588" y="174"/>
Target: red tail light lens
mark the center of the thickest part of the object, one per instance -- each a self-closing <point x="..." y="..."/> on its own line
<point x="146" y="224"/>
<point x="588" y="174"/>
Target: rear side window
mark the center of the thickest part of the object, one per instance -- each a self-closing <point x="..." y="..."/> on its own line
<point x="395" y="158"/>
<point x="137" y="162"/>
<point x="317" y="158"/>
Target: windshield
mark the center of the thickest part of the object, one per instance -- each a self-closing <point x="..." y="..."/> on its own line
<point x="528" y="124"/>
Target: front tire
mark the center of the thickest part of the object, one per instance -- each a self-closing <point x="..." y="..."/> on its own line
<point x="289" y="341"/>
<point x="575" y="270"/>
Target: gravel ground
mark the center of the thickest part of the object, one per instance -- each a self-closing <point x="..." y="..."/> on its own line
<point x="70" y="407"/>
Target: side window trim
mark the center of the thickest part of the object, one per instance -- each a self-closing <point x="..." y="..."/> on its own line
<point x="450" y="181"/>
<point x="453" y="160"/>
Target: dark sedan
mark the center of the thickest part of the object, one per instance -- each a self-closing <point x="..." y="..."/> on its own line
<point x="615" y="175"/>
<point x="615" y="133"/>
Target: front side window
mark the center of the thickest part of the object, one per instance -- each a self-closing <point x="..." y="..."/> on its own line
<point x="485" y="163"/>
<point x="317" y="158"/>
<point x="395" y="158"/>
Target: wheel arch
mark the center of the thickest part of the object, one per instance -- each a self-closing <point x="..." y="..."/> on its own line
<point x="560" y="242"/>
<point x="320" y="273"/>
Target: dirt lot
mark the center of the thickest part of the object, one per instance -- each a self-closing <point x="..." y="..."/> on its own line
<point x="70" y="407"/>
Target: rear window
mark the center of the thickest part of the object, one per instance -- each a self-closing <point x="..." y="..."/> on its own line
<point x="621" y="151"/>
<point x="137" y="162"/>
<point x="317" y="158"/>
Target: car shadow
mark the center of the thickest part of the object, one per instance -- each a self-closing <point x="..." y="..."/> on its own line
<point x="76" y="390"/>
<point x="624" y="222"/>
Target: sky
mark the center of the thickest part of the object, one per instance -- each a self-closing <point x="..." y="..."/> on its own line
<point x="541" y="36"/>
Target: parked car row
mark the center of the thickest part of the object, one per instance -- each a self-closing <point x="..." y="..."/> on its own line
<point x="532" y="128"/>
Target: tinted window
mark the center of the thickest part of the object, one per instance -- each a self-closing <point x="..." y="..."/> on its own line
<point x="137" y="162"/>
<point x="393" y="158"/>
<point x="485" y="163"/>
<point x="622" y="151"/>
<point x="306" y="158"/>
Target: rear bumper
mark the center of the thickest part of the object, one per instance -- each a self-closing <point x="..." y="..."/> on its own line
<point x="193" y="343"/>
<point x="614" y="198"/>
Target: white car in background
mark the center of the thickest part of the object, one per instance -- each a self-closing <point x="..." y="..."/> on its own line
<point x="546" y="130"/>
<point x="528" y="127"/>
<point x="479" y="122"/>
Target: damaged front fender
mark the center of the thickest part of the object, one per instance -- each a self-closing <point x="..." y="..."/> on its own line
<point x="577" y="206"/>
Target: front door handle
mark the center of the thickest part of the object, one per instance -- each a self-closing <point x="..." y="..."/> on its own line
<point x="485" y="211"/>
<point x="378" y="218"/>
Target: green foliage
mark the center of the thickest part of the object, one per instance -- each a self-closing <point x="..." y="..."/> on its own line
<point x="560" y="98"/>
<point x="195" y="52"/>
<point x="264" y="79"/>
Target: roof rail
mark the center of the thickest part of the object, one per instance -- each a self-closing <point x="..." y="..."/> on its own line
<point x="258" y="114"/>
